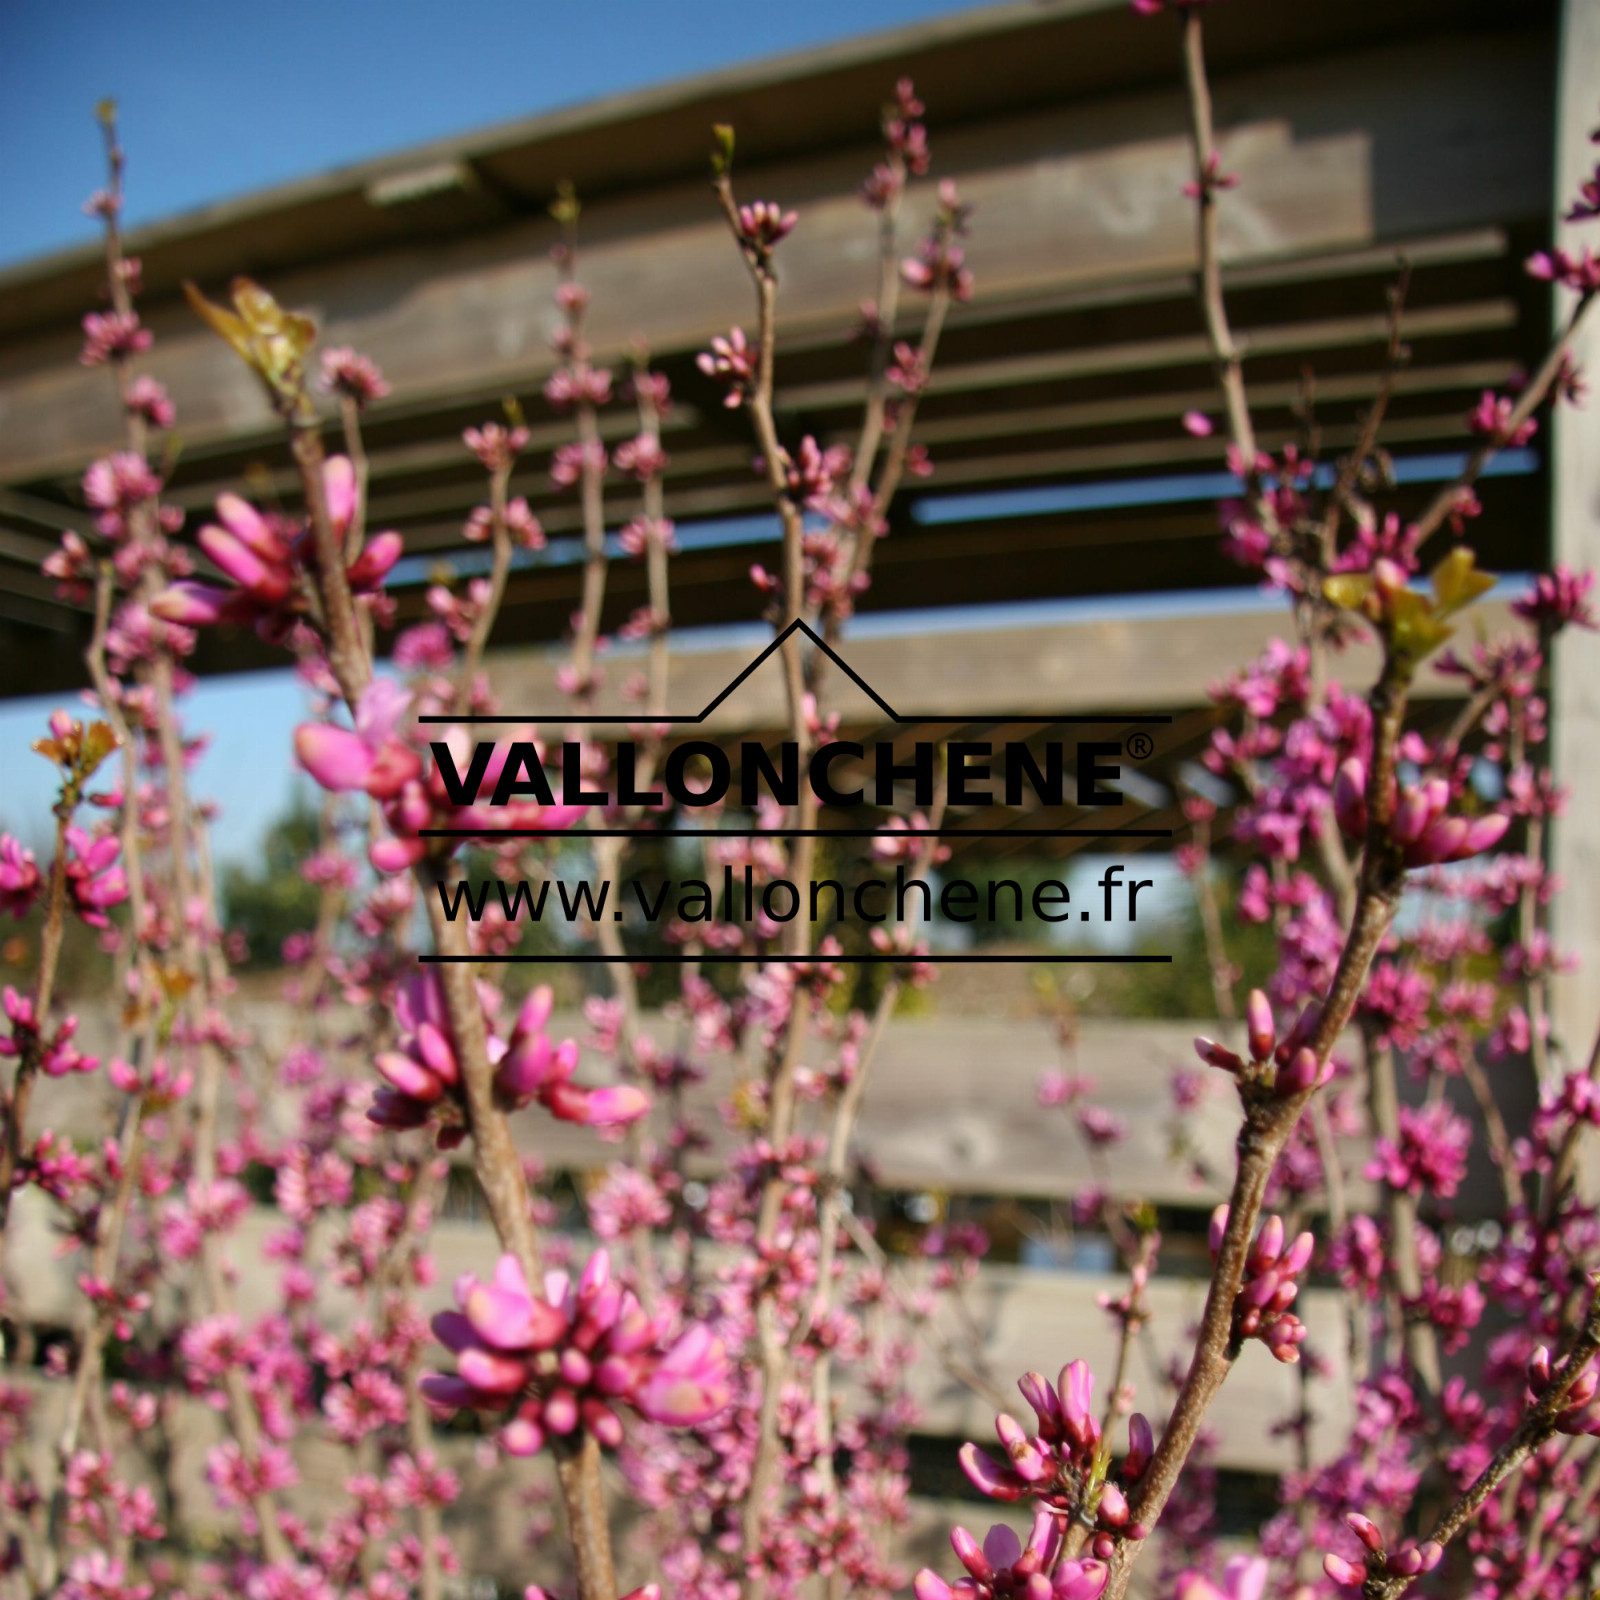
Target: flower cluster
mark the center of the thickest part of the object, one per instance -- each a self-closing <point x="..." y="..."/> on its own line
<point x="1064" y="1463"/>
<point x="571" y="1358"/>
<point x="1003" y="1568"/>
<point x="267" y="560"/>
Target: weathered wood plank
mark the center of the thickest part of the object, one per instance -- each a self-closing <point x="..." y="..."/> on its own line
<point x="1018" y="1320"/>
<point x="1142" y="663"/>
<point x="1575" y="540"/>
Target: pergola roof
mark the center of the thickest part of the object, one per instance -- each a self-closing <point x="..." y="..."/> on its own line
<point x="1360" y="131"/>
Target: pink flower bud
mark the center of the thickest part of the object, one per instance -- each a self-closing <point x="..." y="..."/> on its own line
<point x="1219" y="1227"/>
<point x="597" y="1108"/>
<point x="1539" y="1370"/>
<point x="1080" y="1580"/>
<point x="1113" y="1505"/>
<point x="1304" y="1072"/>
<point x="1349" y="797"/>
<point x="191" y="604"/>
<point x="1299" y="1256"/>
<point x="337" y="758"/>
<point x="1141" y="1446"/>
<point x="436" y="1052"/>
<point x="561" y="1411"/>
<point x="523" y="1435"/>
<point x="249" y="527"/>
<point x="409" y="1077"/>
<point x="374" y="564"/>
<point x="247" y="569"/>
<point x="339" y="488"/>
<point x="1038" y="1392"/>
<point x="490" y="1372"/>
<point x="1261" y="1028"/>
<point x="970" y="1554"/>
<point x="1268" y="1246"/>
<point x="1076" y="1388"/>
<point x="600" y="1420"/>
<point x="1216" y="1055"/>
<point x="1345" y="1573"/>
<point x="988" y="1477"/>
<point x="1366" y="1531"/>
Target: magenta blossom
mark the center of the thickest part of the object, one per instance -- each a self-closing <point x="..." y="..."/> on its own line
<point x="1560" y="599"/>
<point x="1244" y="1578"/>
<point x="346" y="372"/>
<point x="1270" y="1286"/>
<point x="20" y="881"/>
<point x="1420" y="825"/>
<point x="95" y="880"/>
<point x="1430" y="1154"/>
<point x="1060" y="1463"/>
<point x="1003" y="1568"/>
<point x="423" y="1072"/>
<point x="266" y="558"/>
<point x="568" y="1360"/>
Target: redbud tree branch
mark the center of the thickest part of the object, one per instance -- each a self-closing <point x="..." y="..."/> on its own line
<point x="1268" y="1123"/>
<point x="1539" y="1423"/>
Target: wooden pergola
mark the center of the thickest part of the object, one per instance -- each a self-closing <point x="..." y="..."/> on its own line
<point x="1440" y="131"/>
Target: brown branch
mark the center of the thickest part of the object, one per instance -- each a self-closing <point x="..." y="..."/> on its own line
<point x="1538" y="1425"/>
<point x="1445" y="502"/>
<point x="1269" y="1122"/>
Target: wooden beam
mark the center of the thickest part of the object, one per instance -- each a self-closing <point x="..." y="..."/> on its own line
<point x="1575" y="540"/>
<point x="1134" y="663"/>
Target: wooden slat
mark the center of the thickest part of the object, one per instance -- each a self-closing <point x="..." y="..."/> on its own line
<point x="1020" y="1320"/>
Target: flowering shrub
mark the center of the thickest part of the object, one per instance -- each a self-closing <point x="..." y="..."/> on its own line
<point x="703" y="1349"/>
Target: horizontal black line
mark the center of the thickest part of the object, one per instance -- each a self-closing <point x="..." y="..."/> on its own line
<point x="859" y="961"/>
<point x="794" y="833"/>
<point x="643" y="719"/>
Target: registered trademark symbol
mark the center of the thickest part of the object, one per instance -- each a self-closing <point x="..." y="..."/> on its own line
<point x="1141" y="746"/>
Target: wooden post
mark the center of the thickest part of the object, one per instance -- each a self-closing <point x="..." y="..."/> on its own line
<point x="1575" y="539"/>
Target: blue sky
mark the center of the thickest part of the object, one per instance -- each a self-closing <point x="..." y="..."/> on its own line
<point x="219" y="98"/>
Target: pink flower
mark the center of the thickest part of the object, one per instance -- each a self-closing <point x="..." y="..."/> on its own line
<point x="114" y="485"/>
<point x="266" y="558"/>
<point x="95" y="880"/>
<point x="20" y="882"/>
<point x="763" y="223"/>
<point x="1061" y="1463"/>
<point x="1270" y="1286"/>
<point x="148" y="399"/>
<point x="495" y="446"/>
<point x="1560" y="599"/>
<point x="1003" y="1567"/>
<point x="578" y="384"/>
<point x="1492" y="417"/>
<point x="346" y="372"/>
<point x="1428" y="1156"/>
<point x="371" y="757"/>
<point x="567" y="1359"/>
<point x="1420" y="825"/>
<point x="1580" y="272"/>
<point x="108" y="335"/>
<point x="732" y="360"/>
<point x="534" y="1069"/>
<point x="1244" y="1578"/>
